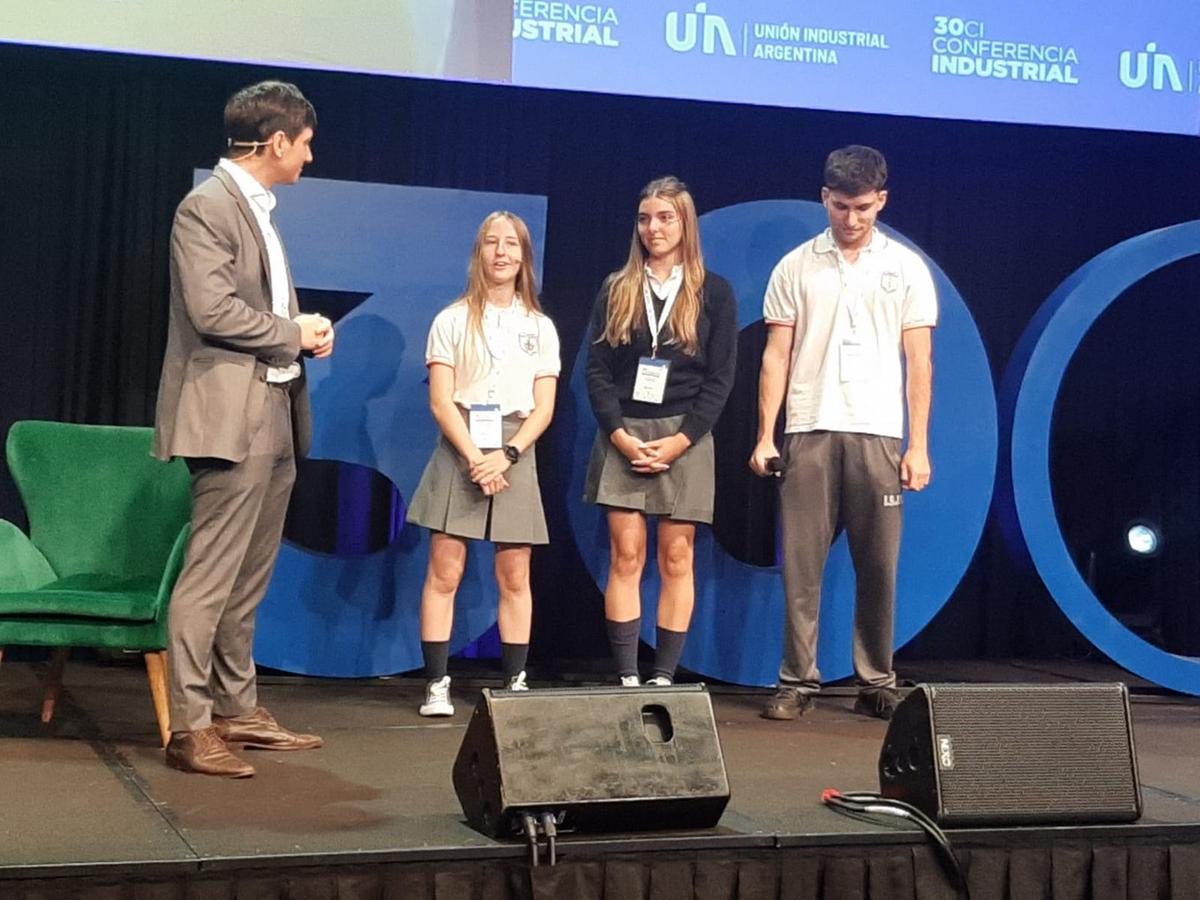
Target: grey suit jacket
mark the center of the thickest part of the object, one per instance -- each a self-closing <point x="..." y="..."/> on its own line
<point x="222" y="334"/>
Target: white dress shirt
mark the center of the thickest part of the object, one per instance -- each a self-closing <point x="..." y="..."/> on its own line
<point x="261" y="202"/>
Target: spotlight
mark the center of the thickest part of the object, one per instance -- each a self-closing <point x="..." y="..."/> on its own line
<point x="1143" y="539"/>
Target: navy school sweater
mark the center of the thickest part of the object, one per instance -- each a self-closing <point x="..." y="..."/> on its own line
<point x="697" y="386"/>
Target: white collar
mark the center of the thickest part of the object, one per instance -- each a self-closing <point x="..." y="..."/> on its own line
<point x="676" y="275"/>
<point x="517" y="303"/>
<point x="825" y="243"/>
<point x="248" y="185"/>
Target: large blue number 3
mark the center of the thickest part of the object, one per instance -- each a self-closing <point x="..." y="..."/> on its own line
<point x="408" y="248"/>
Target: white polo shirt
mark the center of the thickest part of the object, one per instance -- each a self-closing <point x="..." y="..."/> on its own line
<point x="846" y="371"/>
<point x="519" y="346"/>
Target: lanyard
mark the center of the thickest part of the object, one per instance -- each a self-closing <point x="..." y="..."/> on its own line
<point x="852" y="290"/>
<point x="494" y="328"/>
<point x="654" y="322"/>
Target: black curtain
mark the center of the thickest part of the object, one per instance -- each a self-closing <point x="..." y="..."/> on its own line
<point x="1062" y="870"/>
<point x="100" y="147"/>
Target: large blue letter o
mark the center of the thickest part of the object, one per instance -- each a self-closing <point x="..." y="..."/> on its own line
<point x="737" y="631"/>
<point x="1042" y="357"/>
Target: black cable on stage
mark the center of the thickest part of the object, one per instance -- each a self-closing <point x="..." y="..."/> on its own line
<point x="867" y="806"/>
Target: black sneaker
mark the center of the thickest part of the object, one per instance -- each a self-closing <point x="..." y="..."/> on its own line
<point x="879" y="703"/>
<point x="787" y="703"/>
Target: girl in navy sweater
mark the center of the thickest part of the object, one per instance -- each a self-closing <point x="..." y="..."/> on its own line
<point x="660" y="367"/>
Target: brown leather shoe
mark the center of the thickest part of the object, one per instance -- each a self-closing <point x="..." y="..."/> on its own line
<point x="787" y="703"/>
<point x="260" y="731"/>
<point x="203" y="751"/>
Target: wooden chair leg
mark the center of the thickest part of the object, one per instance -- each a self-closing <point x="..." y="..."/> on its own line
<point x="1" y="654"/>
<point x="156" y="672"/>
<point x="54" y="682"/>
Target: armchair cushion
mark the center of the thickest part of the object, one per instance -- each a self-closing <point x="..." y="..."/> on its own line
<point x="89" y="596"/>
<point x="22" y="565"/>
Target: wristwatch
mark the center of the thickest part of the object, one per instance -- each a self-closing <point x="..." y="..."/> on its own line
<point x="511" y="453"/>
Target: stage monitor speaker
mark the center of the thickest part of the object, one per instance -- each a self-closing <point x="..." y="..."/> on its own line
<point x="1013" y="754"/>
<point x="599" y="759"/>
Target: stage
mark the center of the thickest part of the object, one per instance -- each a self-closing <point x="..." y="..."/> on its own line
<point x="92" y="811"/>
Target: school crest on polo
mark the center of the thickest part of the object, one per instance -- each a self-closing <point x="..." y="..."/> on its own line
<point x="890" y="281"/>
<point x="528" y="342"/>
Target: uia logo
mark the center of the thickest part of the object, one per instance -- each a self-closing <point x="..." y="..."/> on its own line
<point x="1158" y="71"/>
<point x="699" y="27"/>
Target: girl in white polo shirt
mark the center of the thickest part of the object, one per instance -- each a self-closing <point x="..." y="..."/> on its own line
<point x="493" y="369"/>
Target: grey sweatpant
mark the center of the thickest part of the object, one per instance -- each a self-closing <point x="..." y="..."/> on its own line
<point x="832" y="478"/>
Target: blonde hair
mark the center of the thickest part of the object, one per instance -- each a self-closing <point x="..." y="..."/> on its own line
<point x="476" y="293"/>
<point x="626" y="308"/>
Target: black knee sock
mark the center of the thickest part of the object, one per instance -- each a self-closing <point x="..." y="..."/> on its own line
<point x="623" y="638"/>
<point x="512" y="659"/>
<point x="437" y="657"/>
<point x="670" y="648"/>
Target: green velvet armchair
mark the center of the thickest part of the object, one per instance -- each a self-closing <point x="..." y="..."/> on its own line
<point x="108" y="528"/>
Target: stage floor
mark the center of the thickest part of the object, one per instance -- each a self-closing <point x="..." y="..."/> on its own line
<point x="90" y="793"/>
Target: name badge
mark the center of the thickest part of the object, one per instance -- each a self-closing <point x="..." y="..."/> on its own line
<point x="853" y="362"/>
<point x="651" y="381"/>
<point x="486" y="425"/>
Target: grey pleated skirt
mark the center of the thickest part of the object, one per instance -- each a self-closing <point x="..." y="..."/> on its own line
<point x="683" y="492"/>
<point x="448" y="500"/>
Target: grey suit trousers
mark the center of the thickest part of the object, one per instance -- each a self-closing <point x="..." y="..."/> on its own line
<point x="238" y="511"/>
<point x="832" y="478"/>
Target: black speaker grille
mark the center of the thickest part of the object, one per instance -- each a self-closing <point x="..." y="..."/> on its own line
<point x="1038" y="753"/>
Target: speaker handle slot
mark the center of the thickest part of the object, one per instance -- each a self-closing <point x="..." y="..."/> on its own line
<point x="656" y="723"/>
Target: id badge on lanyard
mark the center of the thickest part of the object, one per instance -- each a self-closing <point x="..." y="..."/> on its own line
<point x="483" y="419"/>
<point x="852" y="361"/>
<point x="486" y="425"/>
<point x="651" y="383"/>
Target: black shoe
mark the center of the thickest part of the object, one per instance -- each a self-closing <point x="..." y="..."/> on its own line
<point x="787" y="703"/>
<point x="879" y="703"/>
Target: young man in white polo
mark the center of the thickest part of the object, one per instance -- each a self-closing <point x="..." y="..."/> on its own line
<point x="850" y="316"/>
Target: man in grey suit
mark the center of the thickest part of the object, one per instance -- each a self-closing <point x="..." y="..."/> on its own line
<point x="233" y="403"/>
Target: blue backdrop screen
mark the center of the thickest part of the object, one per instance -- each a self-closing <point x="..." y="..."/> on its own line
<point x="1094" y="63"/>
<point x="1103" y="63"/>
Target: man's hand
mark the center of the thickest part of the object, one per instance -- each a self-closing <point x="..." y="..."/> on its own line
<point x="492" y="466"/>
<point x="325" y="348"/>
<point x="915" y="469"/>
<point x="764" y="451"/>
<point x="662" y="452"/>
<point x="316" y="334"/>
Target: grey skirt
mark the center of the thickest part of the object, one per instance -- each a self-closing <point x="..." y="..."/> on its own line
<point x="448" y="500"/>
<point x="684" y="492"/>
